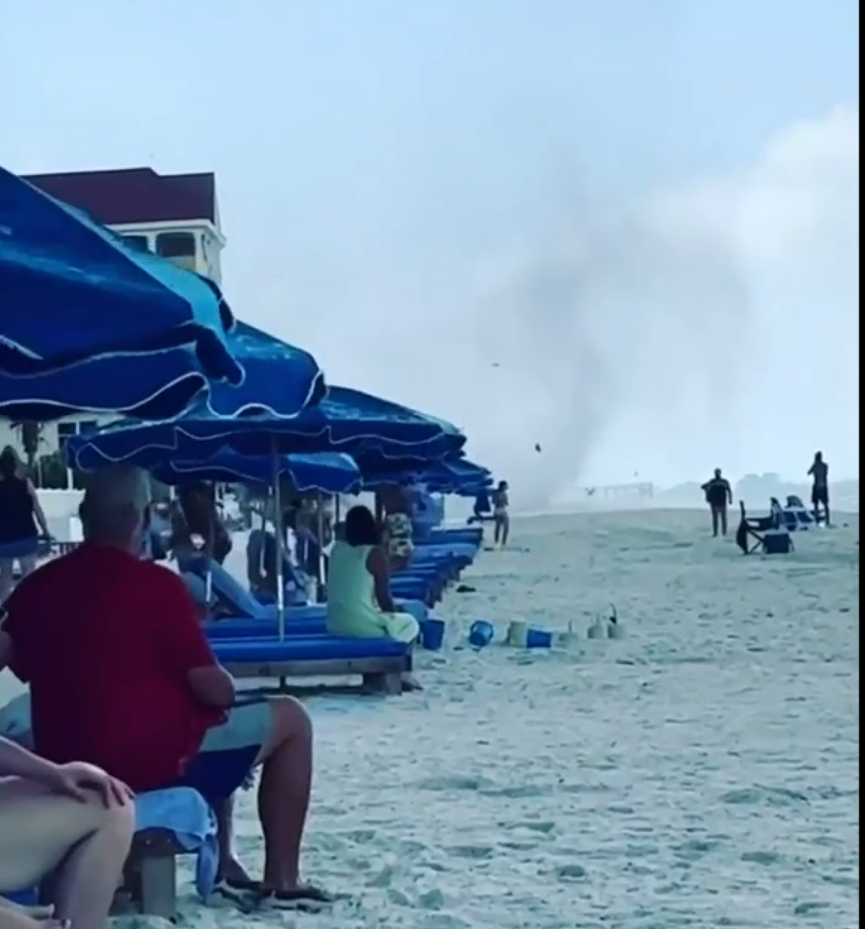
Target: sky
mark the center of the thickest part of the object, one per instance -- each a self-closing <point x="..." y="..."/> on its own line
<point x="627" y="231"/>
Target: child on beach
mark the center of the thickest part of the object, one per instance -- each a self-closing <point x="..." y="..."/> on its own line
<point x="502" y="520"/>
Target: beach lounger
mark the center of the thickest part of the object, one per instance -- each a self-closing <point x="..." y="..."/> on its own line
<point x="235" y="601"/>
<point x="316" y="656"/>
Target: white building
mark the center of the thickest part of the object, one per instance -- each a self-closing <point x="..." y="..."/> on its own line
<point x="175" y="216"/>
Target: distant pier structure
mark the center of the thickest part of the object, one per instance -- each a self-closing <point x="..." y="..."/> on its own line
<point x="619" y="493"/>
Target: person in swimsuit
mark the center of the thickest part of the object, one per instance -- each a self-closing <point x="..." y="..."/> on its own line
<point x="501" y="518"/>
<point x="819" y="471"/>
<point x="20" y="514"/>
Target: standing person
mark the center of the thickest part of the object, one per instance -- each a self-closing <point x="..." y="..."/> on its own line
<point x="819" y="471"/>
<point x="719" y="495"/>
<point x="501" y="517"/>
<point x="20" y="512"/>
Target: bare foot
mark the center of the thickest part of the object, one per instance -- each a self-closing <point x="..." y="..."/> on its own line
<point x="232" y="872"/>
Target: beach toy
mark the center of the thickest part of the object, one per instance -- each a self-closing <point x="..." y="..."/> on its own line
<point x="521" y="635"/>
<point x="598" y="629"/>
<point x="481" y="633"/>
<point x="432" y="634"/>
<point x="517" y="633"/>
<point x="539" y="638"/>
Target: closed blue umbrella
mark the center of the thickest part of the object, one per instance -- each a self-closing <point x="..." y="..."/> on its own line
<point x="328" y="472"/>
<point x="71" y="290"/>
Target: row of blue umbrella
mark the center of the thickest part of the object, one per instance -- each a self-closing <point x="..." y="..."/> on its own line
<point x="87" y="324"/>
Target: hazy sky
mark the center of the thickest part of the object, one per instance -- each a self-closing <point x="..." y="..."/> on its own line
<point x="625" y="229"/>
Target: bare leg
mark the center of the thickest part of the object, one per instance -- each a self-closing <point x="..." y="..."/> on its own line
<point x="283" y="793"/>
<point x="85" y="845"/>
<point x="506" y="530"/>
<point x="230" y="869"/>
<point x="497" y="532"/>
<point x="723" y="520"/>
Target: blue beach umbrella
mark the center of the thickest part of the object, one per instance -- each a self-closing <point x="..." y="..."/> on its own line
<point x="347" y="421"/>
<point x="70" y="290"/>
<point x="449" y="476"/>
<point x="280" y="379"/>
<point x="327" y="472"/>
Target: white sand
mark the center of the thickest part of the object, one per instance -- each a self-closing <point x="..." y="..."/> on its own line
<point x="703" y="772"/>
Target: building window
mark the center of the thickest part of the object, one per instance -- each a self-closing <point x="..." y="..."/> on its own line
<point x="175" y="245"/>
<point x="138" y="243"/>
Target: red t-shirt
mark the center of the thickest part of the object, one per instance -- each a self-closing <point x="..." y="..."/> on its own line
<point x="106" y="642"/>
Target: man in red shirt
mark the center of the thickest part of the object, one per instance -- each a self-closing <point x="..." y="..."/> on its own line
<point x="121" y="676"/>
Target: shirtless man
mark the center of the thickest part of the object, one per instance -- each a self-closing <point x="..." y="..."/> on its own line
<point x="819" y="471"/>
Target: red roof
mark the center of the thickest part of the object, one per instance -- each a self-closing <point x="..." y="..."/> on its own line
<point x="134" y="195"/>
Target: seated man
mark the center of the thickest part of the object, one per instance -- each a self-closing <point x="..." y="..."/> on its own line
<point x="70" y="824"/>
<point x="121" y="676"/>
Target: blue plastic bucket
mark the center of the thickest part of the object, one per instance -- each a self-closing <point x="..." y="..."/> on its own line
<point x="538" y="638"/>
<point x="432" y="634"/>
<point x="481" y="633"/>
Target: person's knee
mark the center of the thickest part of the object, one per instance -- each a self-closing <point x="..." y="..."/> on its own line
<point x="118" y="818"/>
<point x="290" y="719"/>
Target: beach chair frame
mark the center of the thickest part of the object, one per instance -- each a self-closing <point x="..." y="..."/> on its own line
<point x="150" y="874"/>
<point x="751" y="534"/>
<point x="388" y="669"/>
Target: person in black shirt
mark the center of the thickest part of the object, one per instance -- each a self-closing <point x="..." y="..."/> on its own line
<point x="719" y="495"/>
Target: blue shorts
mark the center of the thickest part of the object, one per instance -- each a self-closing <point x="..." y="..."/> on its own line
<point x="228" y="752"/>
<point x="20" y="548"/>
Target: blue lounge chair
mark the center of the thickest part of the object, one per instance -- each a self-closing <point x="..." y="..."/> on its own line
<point x="316" y="656"/>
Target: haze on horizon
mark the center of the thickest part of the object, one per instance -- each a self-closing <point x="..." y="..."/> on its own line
<point x="626" y="231"/>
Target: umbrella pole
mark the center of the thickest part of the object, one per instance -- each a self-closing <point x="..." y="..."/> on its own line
<point x="280" y="546"/>
<point x="320" y="511"/>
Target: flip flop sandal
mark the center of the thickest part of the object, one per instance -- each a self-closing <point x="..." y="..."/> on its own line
<point x="308" y="899"/>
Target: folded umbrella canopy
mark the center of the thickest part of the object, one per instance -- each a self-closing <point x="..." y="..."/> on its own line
<point x="328" y="472"/>
<point x="279" y="379"/>
<point x="70" y="290"/>
<point x="347" y="421"/>
<point x="448" y="476"/>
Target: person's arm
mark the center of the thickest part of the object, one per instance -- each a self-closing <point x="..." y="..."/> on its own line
<point x="729" y="492"/>
<point x="377" y="563"/>
<point x="16" y="761"/>
<point x="811" y="471"/>
<point x="38" y="512"/>
<point x="185" y="647"/>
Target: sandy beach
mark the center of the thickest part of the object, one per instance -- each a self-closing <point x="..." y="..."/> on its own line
<point x="702" y="772"/>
